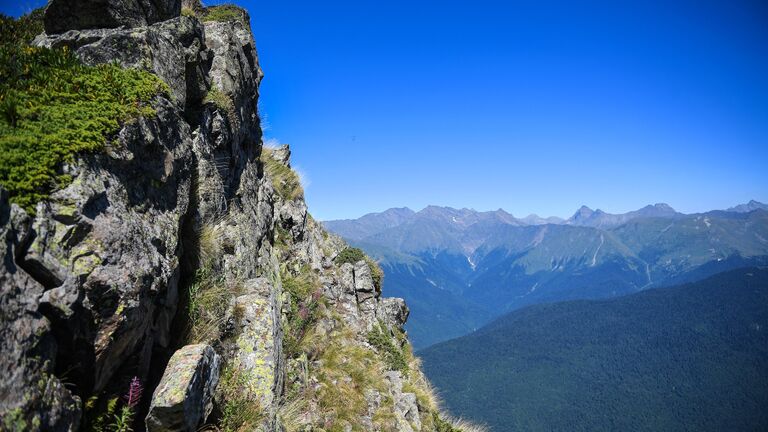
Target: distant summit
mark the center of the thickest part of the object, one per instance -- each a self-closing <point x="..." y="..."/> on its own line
<point x="600" y="219"/>
<point x="752" y="205"/>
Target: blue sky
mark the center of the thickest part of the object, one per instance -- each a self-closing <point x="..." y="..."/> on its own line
<point x="530" y="106"/>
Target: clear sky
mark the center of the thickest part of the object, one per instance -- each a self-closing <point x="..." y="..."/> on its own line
<point x="530" y="106"/>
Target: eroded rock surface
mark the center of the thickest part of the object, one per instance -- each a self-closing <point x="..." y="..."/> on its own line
<point x="63" y="15"/>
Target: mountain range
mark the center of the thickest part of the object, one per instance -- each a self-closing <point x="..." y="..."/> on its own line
<point x="460" y="268"/>
<point x="689" y="357"/>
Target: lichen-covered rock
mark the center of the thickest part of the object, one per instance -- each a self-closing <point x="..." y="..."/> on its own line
<point x="63" y="15"/>
<point x="31" y="397"/>
<point x="183" y="399"/>
<point x="257" y="350"/>
<point x="107" y="245"/>
<point x="236" y="74"/>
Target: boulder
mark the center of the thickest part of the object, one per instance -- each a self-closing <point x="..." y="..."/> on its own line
<point x="64" y="15"/>
<point x="393" y="311"/>
<point x="183" y="399"/>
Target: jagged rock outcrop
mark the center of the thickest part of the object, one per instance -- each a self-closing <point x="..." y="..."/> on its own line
<point x="184" y="255"/>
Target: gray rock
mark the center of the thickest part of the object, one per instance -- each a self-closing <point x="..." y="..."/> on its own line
<point x="63" y="15"/>
<point x="183" y="399"/>
<point x="257" y="350"/>
<point x="235" y="72"/>
<point x="174" y="50"/>
<point x="282" y="154"/>
<point x="31" y="397"/>
<point x="393" y="311"/>
<point x="406" y="406"/>
<point x="363" y="279"/>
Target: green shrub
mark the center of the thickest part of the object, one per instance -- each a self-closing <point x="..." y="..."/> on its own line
<point x="394" y="357"/>
<point x="53" y="107"/>
<point x="350" y="255"/>
<point x="224" y="12"/>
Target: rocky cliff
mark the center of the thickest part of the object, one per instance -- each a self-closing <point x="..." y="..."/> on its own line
<point x="168" y="276"/>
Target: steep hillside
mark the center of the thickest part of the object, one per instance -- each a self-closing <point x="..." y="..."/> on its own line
<point x="159" y="268"/>
<point x="489" y="263"/>
<point x="690" y="357"/>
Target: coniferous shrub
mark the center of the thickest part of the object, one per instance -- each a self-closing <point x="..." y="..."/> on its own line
<point x="53" y="107"/>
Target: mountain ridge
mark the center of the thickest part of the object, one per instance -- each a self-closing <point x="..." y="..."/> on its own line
<point x="580" y="217"/>
<point x="491" y="261"/>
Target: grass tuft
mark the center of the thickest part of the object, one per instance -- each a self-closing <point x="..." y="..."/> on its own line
<point x="240" y="411"/>
<point x="223" y="13"/>
<point x="222" y="101"/>
<point x="285" y="181"/>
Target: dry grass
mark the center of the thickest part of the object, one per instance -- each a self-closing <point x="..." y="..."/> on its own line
<point x="211" y="238"/>
<point x="209" y="298"/>
<point x="240" y="411"/>
<point x="292" y="416"/>
<point x="286" y="182"/>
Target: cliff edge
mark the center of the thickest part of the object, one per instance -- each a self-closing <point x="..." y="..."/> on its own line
<point x="159" y="268"/>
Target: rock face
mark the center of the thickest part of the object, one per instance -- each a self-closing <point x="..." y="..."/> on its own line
<point x="184" y="397"/>
<point x="31" y="397"/>
<point x="186" y="248"/>
<point x="63" y="15"/>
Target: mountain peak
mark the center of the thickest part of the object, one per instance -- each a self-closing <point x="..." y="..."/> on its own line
<point x="582" y="213"/>
<point x="752" y="205"/>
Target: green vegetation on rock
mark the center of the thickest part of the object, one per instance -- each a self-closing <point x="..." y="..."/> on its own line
<point x="304" y="301"/>
<point x="394" y="357"/>
<point x="53" y="107"/>
<point x="240" y="410"/>
<point x="222" y="101"/>
<point x="224" y="12"/>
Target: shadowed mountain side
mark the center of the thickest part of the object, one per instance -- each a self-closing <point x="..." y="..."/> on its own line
<point x="690" y="357"/>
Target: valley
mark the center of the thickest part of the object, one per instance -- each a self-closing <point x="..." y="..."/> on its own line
<point x="689" y="357"/>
